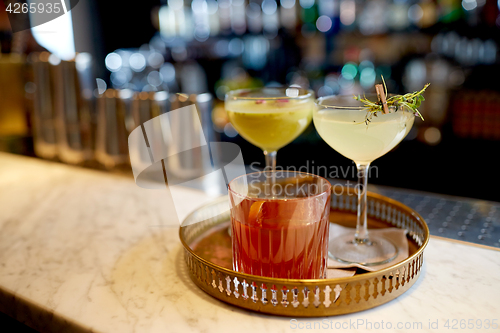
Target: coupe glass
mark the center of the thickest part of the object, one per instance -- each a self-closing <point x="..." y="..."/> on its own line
<point x="341" y="122"/>
<point x="270" y="118"/>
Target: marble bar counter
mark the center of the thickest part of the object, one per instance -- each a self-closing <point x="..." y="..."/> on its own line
<point x="89" y="251"/>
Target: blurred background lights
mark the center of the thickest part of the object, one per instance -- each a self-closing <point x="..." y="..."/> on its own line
<point x="397" y="18"/>
<point x="101" y="86"/>
<point x="199" y="6"/>
<point x="325" y="91"/>
<point x="258" y="58"/>
<point x="367" y="77"/>
<point x="168" y="72"/>
<point x="469" y="4"/>
<point x="155" y="78"/>
<point x="332" y="81"/>
<point x="201" y="33"/>
<point x="236" y="47"/>
<point x="347" y="12"/>
<point x="161" y="96"/>
<point x="327" y="7"/>
<point x="175" y="4"/>
<point x="270" y="30"/>
<point x="221" y="92"/>
<point x="490" y="52"/>
<point x="254" y="16"/>
<point x="179" y="53"/>
<point x="269" y="7"/>
<point x="113" y="62"/>
<point x="126" y="93"/>
<point x="415" y="13"/>
<point x="155" y="59"/>
<point x="125" y="55"/>
<point x="119" y="79"/>
<point x="230" y="131"/>
<point x="212" y="7"/>
<point x="83" y="60"/>
<point x="224" y="4"/>
<point x="457" y="77"/>
<point x="221" y="48"/>
<point x="288" y="4"/>
<point x="137" y="62"/>
<point x="306" y="4"/>
<point x="366" y="64"/>
<point x="432" y="135"/>
<point x="349" y="71"/>
<point x="345" y="84"/>
<point x="371" y="20"/>
<point x="54" y="60"/>
<point x="324" y="23"/>
<point x="253" y="10"/>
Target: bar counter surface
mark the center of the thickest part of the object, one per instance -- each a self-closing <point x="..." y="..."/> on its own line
<point x="88" y="251"/>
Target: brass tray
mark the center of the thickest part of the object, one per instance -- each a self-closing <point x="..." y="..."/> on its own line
<point x="208" y="256"/>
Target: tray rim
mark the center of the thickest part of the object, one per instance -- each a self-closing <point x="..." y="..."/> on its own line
<point x="341" y="280"/>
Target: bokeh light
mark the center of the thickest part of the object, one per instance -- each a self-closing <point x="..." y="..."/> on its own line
<point x="288" y="4"/>
<point x="324" y="23"/>
<point x="415" y="13"/>
<point x="432" y="135"/>
<point x="367" y="77"/>
<point x="230" y="131"/>
<point x="113" y="62"/>
<point x="306" y="4"/>
<point x="349" y="71"/>
<point x="137" y="62"/>
<point x="155" y="78"/>
<point x="269" y="7"/>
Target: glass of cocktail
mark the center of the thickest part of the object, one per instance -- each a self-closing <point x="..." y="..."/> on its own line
<point x="284" y="235"/>
<point x="270" y="118"/>
<point x="347" y="126"/>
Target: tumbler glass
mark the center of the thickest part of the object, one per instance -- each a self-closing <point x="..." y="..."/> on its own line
<point x="283" y="235"/>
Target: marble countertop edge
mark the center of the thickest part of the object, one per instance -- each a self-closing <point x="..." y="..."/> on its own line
<point x="35" y="315"/>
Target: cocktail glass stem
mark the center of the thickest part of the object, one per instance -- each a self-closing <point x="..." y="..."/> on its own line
<point x="361" y="235"/>
<point x="270" y="166"/>
<point x="363" y="249"/>
<point x="270" y="160"/>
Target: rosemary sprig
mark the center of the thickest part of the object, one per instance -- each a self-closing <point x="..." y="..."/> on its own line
<point x="410" y="100"/>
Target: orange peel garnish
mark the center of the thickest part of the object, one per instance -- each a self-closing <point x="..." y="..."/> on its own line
<point x="254" y="212"/>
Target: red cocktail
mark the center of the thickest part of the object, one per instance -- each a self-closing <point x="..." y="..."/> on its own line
<point x="281" y="233"/>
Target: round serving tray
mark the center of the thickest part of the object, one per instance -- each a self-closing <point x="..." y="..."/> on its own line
<point x="208" y="256"/>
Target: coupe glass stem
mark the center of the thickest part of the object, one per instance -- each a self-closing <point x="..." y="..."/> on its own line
<point x="270" y="166"/>
<point x="361" y="235"/>
<point x="270" y="160"/>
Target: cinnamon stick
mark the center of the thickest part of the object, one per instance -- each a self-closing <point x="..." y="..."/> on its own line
<point x="379" y="88"/>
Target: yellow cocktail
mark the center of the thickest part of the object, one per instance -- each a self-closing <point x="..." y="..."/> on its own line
<point x="270" y="125"/>
<point x="270" y="118"/>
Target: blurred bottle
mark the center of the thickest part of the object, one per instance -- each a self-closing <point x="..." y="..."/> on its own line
<point x="146" y="106"/>
<point x="111" y="136"/>
<point x="15" y="88"/>
<point x="188" y="131"/>
<point x="74" y="109"/>
<point x="13" y="116"/>
<point x="44" y="115"/>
